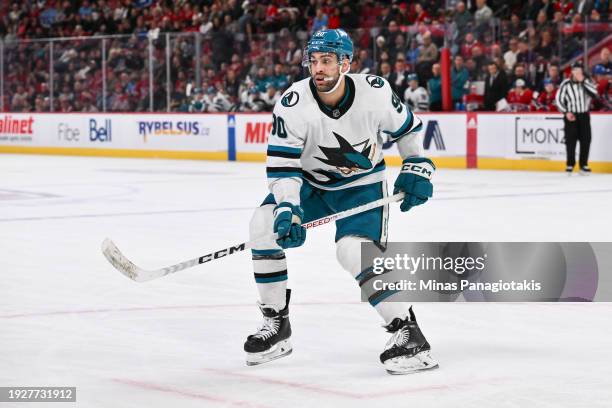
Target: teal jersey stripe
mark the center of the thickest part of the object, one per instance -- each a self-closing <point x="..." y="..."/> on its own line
<point x="384" y="294"/>
<point x="266" y="251"/>
<point x="272" y="279"/>
<point x="282" y="174"/>
<point x="284" y="149"/>
<point x="404" y="128"/>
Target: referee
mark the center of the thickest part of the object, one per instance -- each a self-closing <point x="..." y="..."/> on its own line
<point x="574" y="100"/>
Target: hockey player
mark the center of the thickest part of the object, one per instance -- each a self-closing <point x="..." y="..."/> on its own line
<point x="324" y="156"/>
<point x="415" y="96"/>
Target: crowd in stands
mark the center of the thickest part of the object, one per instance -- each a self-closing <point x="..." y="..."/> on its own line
<point x="236" y="55"/>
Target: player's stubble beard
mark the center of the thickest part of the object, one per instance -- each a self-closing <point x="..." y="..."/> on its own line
<point x="327" y="85"/>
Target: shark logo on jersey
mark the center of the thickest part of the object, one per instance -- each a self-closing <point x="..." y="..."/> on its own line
<point x="346" y="158"/>
<point x="375" y="81"/>
<point x="291" y="99"/>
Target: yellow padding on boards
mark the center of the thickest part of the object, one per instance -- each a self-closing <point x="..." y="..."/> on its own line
<point x="536" y="165"/>
<point x="133" y="153"/>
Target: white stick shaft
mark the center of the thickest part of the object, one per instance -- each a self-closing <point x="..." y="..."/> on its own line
<point x="132" y="271"/>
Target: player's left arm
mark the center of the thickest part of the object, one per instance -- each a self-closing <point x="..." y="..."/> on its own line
<point x="402" y="127"/>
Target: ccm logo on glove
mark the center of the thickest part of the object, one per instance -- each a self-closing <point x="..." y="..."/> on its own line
<point x="424" y="169"/>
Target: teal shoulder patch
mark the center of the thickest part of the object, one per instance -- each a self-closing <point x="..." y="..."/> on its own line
<point x="375" y="81"/>
<point x="290" y="99"/>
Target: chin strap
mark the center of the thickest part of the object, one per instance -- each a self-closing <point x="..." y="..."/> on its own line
<point x="339" y="80"/>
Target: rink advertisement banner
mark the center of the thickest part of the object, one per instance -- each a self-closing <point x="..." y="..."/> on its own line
<point x="489" y="272"/>
<point x="444" y="135"/>
<point x="252" y="133"/>
<point x="116" y="131"/>
<point x="537" y="137"/>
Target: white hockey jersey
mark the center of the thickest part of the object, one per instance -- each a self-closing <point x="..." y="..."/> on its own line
<point x="417" y="100"/>
<point x="336" y="147"/>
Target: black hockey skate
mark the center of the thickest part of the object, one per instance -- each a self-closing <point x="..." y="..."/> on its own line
<point x="272" y="339"/>
<point x="407" y="351"/>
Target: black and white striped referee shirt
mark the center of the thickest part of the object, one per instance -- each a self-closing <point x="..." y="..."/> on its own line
<point x="575" y="97"/>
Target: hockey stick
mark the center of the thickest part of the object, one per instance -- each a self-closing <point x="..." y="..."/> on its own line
<point x="129" y="269"/>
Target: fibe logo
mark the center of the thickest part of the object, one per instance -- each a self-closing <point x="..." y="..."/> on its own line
<point x="102" y="133"/>
<point x="65" y="132"/>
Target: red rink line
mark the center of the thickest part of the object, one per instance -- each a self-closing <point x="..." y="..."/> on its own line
<point x="189" y="394"/>
<point x="348" y="394"/>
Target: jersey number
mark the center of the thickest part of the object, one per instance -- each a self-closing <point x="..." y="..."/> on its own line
<point x="396" y="102"/>
<point x="278" y="127"/>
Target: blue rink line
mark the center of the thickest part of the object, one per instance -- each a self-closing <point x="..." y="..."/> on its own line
<point x="516" y="195"/>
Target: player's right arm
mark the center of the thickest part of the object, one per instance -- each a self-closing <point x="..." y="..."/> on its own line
<point x="284" y="172"/>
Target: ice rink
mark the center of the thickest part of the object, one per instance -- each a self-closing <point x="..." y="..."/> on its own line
<point x="69" y="319"/>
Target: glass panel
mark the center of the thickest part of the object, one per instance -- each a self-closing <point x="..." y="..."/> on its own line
<point x="26" y="76"/>
<point x="77" y="75"/>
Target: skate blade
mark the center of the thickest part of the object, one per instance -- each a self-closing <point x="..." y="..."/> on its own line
<point x="280" y="349"/>
<point x="584" y="173"/>
<point x="408" y="365"/>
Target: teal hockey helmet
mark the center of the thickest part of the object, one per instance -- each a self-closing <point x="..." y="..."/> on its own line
<point x="333" y="41"/>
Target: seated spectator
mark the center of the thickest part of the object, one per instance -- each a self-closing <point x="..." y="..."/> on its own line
<point x="602" y="78"/>
<point x="516" y="26"/>
<point x="434" y="85"/>
<point x="545" y="48"/>
<point x="605" y="59"/>
<point x="428" y="54"/>
<point x="520" y="72"/>
<point x="496" y="86"/>
<point x="483" y="13"/>
<point x="399" y="77"/>
<point x="280" y="79"/>
<point x="269" y="97"/>
<point x="421" y="15"/>
<point x="552" y="73"/>
<point x="525" y="55"/>
<point x="320" y="21"/>
<point x="545" y="102"/>
<point x="415" y="96"/>
<point x="231" y="83"/>
<point x="365" y="60"/>
<point x="459" y="78"/>
<point x="468" y="45"/>
<point x="385" y="70"/>
<point x="197" y="101"/>
<point x="262" y="80"/>
<point x="564" y="6"/>
<point x="462" y="18"/>
<point x="473" y="101"/>
<point x="520" y="97"/>
<point x="473" y="72"/>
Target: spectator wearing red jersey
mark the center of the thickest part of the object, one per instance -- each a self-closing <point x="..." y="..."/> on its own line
<point x="545" y="101"/>
<point x="520" y="97"/>
<point x="473" y="101"/>
<point x="468" y="44"/>
<point x="334" y="19"/>
<point x="421" y="13"/>
<point x="564" y="6"/>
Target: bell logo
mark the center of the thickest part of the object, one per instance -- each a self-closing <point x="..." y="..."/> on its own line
<point x="433" y="132"/>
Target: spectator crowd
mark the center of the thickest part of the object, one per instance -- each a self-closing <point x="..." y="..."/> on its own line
<point x="210" y="56"/>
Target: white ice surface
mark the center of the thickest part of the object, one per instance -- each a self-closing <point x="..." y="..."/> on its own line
<point x="68" y="318"/>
